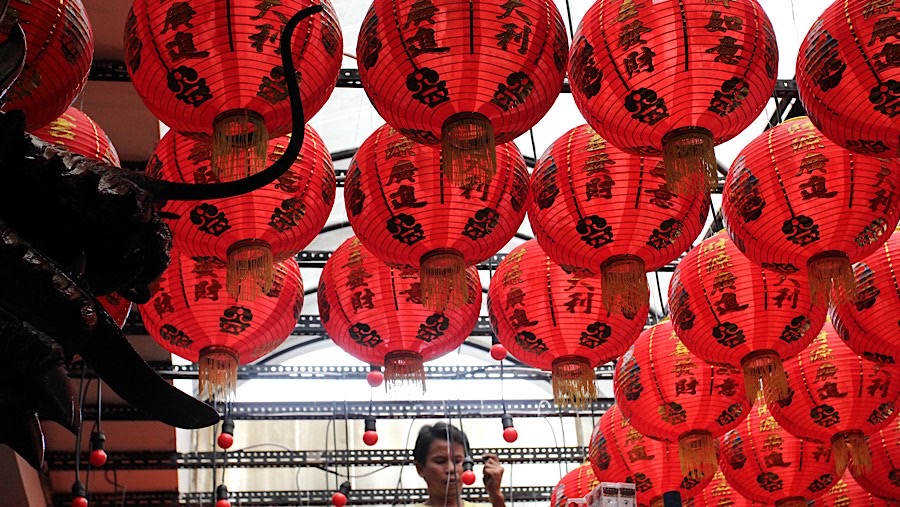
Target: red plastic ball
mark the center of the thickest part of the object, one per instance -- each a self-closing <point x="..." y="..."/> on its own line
<point x="97" y="458"/>
<point x="375" y="378"/>
<point x="225" y="440"/>
<point x="79" y="501"/>
<point x="223" y="503"/>
<point x="370" y="437"/>
<point x="498" y="352"/>
<point x="468" y="477"/>
<point x="510" y="434"/>
<point x="339" y="499"/>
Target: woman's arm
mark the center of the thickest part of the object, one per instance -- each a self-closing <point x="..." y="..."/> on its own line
<point x="493" y="475"/>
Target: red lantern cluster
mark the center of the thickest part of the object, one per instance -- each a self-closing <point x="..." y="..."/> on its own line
<point x="673" y="77"/>
<point x="848" y="493"/>
<point x="78" y="133"/>
<point x="556" y="321"/>
<point x="213" y="68"/>
<point x="190" y="315"/>
<point x="883" y="478"/>
<point x="60" y="51"/>
<point x="766" y="464"/>
<point x="253" y="231"/>
<point x="375" y="313"/>
<point x="729" y="310"/>
<point x="861" y="322"/>
<point x="466" y="75"/>
<point x="670" y="394"/>
<point x="794" y="200"/>
<point x="720" y="494"/>
<point x="404" y="210"/>
<point x="619" y="453"/>
<point x="575" y="484"/>
<point x="595" y="207"/>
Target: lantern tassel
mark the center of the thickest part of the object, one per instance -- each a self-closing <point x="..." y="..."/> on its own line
<point x="831" y="276"/>
<point x="697" y="454"/>
<point x="851" y="448"/>
<point x="218" y="374"/>
<point x="573" y="382"/>
<point x="402" y="368"/>
<point x="239" y="145"/>
<point x="624" y="284"/>
<point x="444" y="281"/>
<point x="794" y="501"/>
<point x="764" y="373"/>
<point x="250" y="270"/>
<point x="657" y="502"/>
<point x="468" y="149"/>
<point x="690" y="161"/>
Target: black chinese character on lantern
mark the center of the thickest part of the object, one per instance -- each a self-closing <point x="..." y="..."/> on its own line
<point x="182" y="47"/>
<point x="727" y="51"/>
<point x="733" y="413"/>
<point x="825" y="415"/>
<point x="729" y="96"/>
<point x="885" y="98"/>
<point x="235" y="320"/>
<point x="433" y="328"/>
<point x="633" y="387"/>
<point x="682" y="315"/>
<point x="424" y="42"/>
<point x="872" y="232"/>
<point x="594" y="231"/>
<point x="823" y="483"/>
<point x="427" y="86"/>
<point x="770" y="481"/>
<point x="209" y="220"/>
<point x="728" y="334"/>
<point x="531" y="343"/>
<point x="404" y="229"/>
<point x="665" y="235"/>
<point x="133" y="43"/>
<point x="513" y="93"/>
<point x="188" y="86"/>
<point x="324" y="303"/>
<point x="882" y="413"/>
<point x="823" y="59"/>
<point x="481" y="224"/>
<point x="364" y="335"/>
<point x="587" y="77"/>
<point x="288" y="216"/>
<point x="595" y="335"/>
<point x="175" y="336"/>
<point x="800" y="230"/>
<point x="673" y="413"/>
<point x="646" y="106"/>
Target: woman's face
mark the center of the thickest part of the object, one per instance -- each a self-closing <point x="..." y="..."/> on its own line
<point x="443" y="468"/>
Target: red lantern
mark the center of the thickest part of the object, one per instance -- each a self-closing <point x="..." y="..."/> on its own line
<point x="190" y="315"/>
<point x="60" y="51"/>
<point x="465" y="75"/>
<point x="674" y="77"/>
<point x="597" y="208"/>
<point x="575" y="484"/>
<point x="213" y="69"/>
<point x="837" y="397"/>
<point x="795" y="200"/>
<point x="78" y="133"/>
<point x="253" y="231"/>
<point x="669" y="394"/>
<point x="556" y="321"/>
<point x="766" y="464"/>
<point x="720" y="494"/>
<point x="883" y="479"/>
<point x="405" y="212"/>
<point x="375" y="313"/>
<point x="847" y="493"/>
<point x="728" y="310"/>
<point x="847" y="77"/>
<point x="619" y="453"/>
<point x="860" y="323"/>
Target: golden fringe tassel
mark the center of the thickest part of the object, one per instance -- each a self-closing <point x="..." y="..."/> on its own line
<point x="574" y="382"/>
<point x="239" y="145"/>
<point x="625" y="286"/>
<point x="697" y="454"/>
<point x="831" y="277"/>
<point x="402" y="368"/>
<point x="444" y="282"/>
<point x="794" y="501"/>
<point x="657" y="502"/>
<point x="851" y="448"/>
<point x="218" y="374"/>
<point x="764" y="374"/>
<point x="468" y="149"/>
<point x="250" y="270"/>
<point x="690" y="161"/>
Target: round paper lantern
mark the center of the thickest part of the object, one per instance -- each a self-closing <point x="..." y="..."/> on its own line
<point x="766" y="464"/>
<point x="78" y="133"/>
<point x="847" y="493"/>
<point x="861" y="322"/>
<point x="619" y="453"/>
<point x="465" y="75"/>
<point x="673" y="77"/>
<point x="670" y="394"/>
<point x="883" y="479"/>
<point x="837" y="397"/>
<point x="60" y="51"/>
<point x="575" y="484"/>
<point x="557" y="322"/>
<point x="847" y="76"/>
<point x="191" y="315"/>
<point x="720" y="494"/>
<point x="404" y="210"/>
<point x="253" y="231"/>
<point x="728" y="310"/>
<point x="213" y="69"/>
<point x="795" y="200"/>
<point x="374" y="312"/>
<point x="595" y="207"/>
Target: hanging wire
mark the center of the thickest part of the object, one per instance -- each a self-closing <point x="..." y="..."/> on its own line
<point x="81" y="395"/>
<point x="663" y="309"/>
<point x="347" y="436"/>
<point x="569" y="14"/>
<point x="99" y="404"/>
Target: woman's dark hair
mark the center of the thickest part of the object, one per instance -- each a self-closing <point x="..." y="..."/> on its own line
<point x="439" y="431"/>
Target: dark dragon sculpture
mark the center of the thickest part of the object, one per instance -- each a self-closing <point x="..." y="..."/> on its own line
<point x="72" y="228"/>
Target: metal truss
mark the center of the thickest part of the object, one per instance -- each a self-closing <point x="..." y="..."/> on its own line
<point x="431" y="409"/>
<point x="305" y="459"/>
<point x="297" y="498"/>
